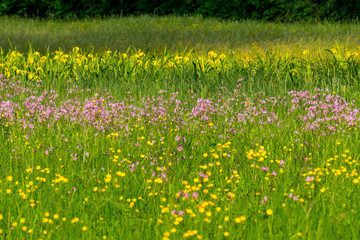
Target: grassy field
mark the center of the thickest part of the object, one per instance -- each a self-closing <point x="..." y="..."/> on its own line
<point x="237" y="130"/>
<point x="155" y="33"/>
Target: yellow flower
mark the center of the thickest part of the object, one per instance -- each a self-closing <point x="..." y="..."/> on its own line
<point x="226" y="234"/>
<point x="121" y="174"/>
<point x="240" y="219"/>
<point x="84" y="228"/>
<point x="9" y="178"/>
<point x="269" y="212"/>
<point x="212" y="54"/>
<point x="213" y="196"/>
<point x="158" y="180"/>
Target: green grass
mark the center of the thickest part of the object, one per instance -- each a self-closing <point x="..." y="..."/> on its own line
<point x="155" y="33"/>
<point x="79" y="164"/>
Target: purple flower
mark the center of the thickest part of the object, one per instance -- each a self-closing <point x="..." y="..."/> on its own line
<point x="282" y="163"/>
<point x="309" y="179"/>
<point x="265" y="168"/>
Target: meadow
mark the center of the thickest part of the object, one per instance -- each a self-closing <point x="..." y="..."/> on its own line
<point x="202" y="129"/>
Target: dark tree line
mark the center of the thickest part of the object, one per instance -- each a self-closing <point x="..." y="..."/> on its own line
<point x="270" y="10"/>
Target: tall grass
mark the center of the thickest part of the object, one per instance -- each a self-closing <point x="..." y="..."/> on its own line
<point x="155" y="33"/>
<point x="272" y="71"/>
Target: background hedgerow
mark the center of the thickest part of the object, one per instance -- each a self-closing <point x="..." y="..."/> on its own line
<point x="270" y="10"/>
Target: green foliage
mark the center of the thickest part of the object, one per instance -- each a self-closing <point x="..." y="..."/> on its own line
<point x="271" y="10"/>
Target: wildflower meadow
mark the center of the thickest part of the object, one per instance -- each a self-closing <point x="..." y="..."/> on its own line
<point x="255" y="143"/>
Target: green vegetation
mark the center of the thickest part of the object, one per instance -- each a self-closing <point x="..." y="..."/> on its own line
<point x="179" y="128"/>
<point x="154" y="33"/>
<point x="273" y="10"/>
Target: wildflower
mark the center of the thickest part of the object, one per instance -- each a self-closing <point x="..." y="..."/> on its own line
<point x="121" y="174"/>
<point x="269" y="212"/>
<point x="265" y="200"/>
<point x="158" y="180"/>
<point x="213" y="196"/>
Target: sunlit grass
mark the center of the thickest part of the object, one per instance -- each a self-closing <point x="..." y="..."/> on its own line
<point x="210" y="141"/>
<point x="155" y="33"/>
